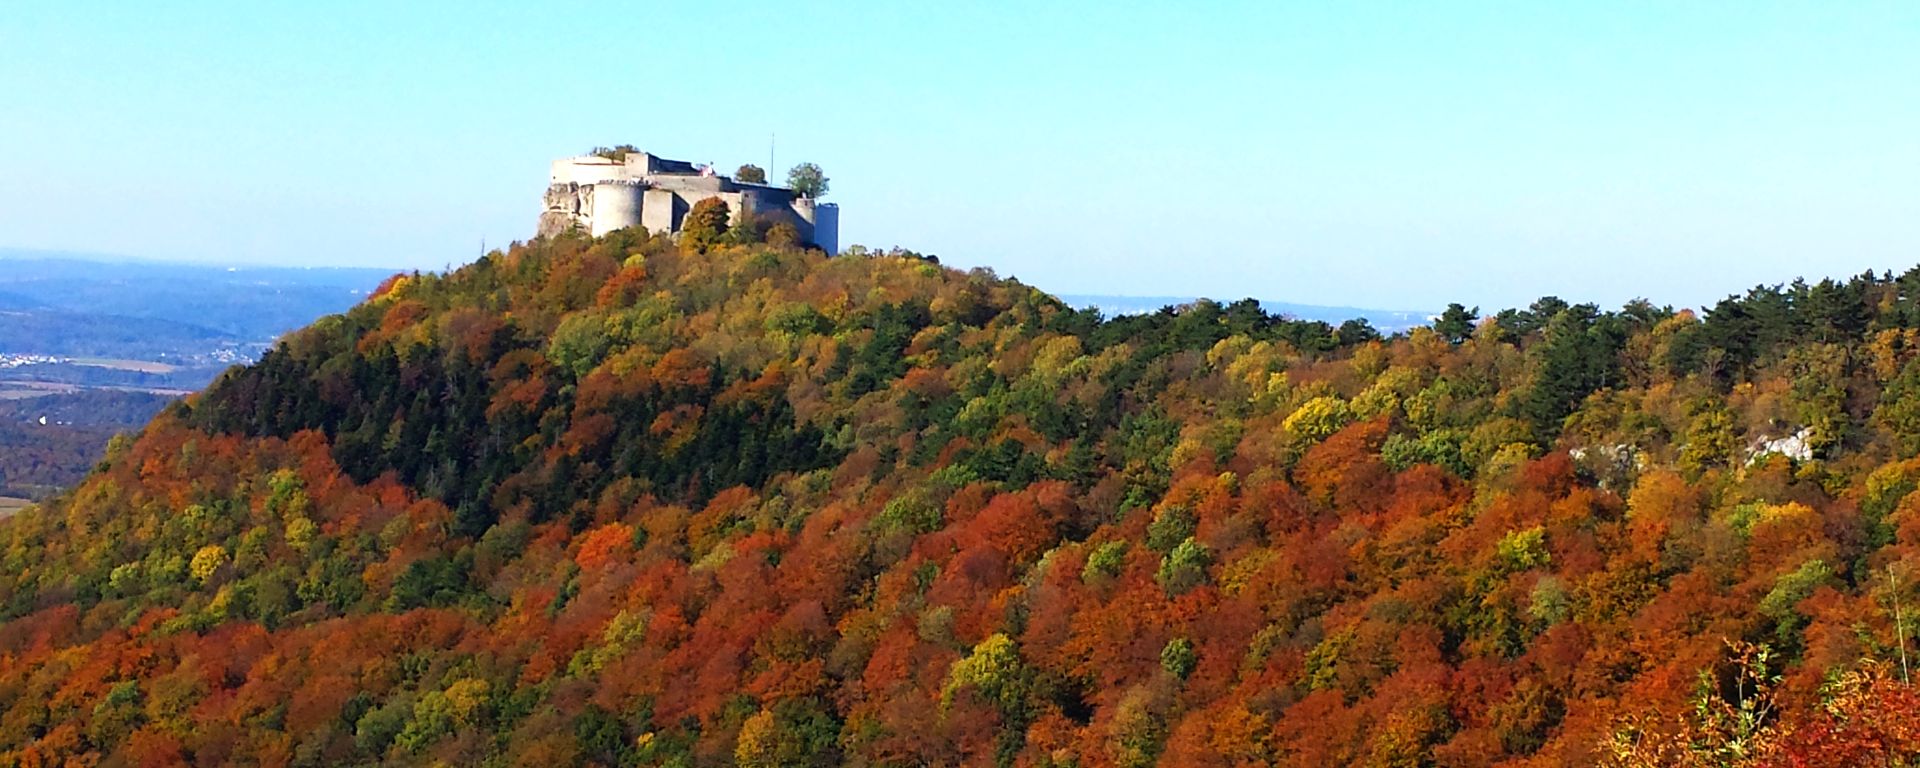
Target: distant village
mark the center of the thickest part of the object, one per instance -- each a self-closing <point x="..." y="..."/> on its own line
<point x="18" y="361"/>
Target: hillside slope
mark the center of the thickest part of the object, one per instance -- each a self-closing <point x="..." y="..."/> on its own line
<point x="609" y="502"/>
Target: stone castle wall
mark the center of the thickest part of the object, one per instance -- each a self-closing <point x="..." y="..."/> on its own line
<point x="616" y="205"/>
<point x="598" y="196"/>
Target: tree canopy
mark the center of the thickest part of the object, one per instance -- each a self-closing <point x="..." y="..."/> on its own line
<point x="629" y="501"/>
<point x="807" y="180"/>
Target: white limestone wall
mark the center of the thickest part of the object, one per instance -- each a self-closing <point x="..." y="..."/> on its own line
<point x="660" y="211"/>
<point x="615" y="206"/>
<point x="588" y="169"/>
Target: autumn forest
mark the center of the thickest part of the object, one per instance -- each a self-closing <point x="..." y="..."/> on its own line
<point x="626" y="501"/>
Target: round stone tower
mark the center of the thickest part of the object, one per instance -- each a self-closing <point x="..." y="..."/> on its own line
<point x="616" y="205"/>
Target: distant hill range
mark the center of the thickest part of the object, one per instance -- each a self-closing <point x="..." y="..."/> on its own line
<point x="1384" y="320"/>
<point x="49" y="441"/>
<point x="68" y="304"/>
<point x="90" y="345"/>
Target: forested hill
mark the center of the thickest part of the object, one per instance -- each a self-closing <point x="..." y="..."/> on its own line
<point x="614" y="502"/>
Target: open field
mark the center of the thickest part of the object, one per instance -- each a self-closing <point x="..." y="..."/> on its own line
<point x="25" y="390"/>
<point x="141" y="366"/>
<point x="10" y="505"/>
<point x="21" y="390"/>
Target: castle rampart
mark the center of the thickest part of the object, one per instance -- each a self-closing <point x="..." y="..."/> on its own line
<point x="598" y="195"/>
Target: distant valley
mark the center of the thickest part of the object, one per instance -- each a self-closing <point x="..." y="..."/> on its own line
<point x="90" y="346"/>
<point x="185" y="322"/>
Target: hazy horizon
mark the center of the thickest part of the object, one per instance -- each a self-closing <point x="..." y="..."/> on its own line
<point x="1109" y="303"/>
<point x="1364" y="156"/>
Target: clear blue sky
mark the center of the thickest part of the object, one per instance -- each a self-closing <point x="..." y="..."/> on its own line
<point x="1396" y="155"/>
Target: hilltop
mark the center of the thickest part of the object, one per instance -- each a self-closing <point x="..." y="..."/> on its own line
<point x="618" y="501"/>
<point x="1384" y="320"/>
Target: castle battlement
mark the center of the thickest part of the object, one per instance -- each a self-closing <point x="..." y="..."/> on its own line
<point x="599" y="194"/>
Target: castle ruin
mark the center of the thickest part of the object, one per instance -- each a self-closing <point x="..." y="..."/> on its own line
<point x="599" y="194"/>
